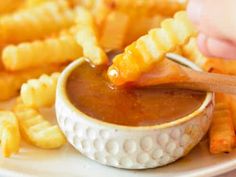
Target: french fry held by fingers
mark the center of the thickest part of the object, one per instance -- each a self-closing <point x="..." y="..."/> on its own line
<point x="222" y="135"/>
<point x="114" y="31"/>
<point x="86" y="37"/>
<point x="217" y="65"/>
<point x="9" y="133"/>
<point x="150" y="49"/>
<point x="10" y="82"/>
<point x="40" y="92"/>
<point x="36" y="129"/>
<point x="34" y="23"/>
<point x="38" y="53"/>
<point x="191" y="52"/>
<point x="139" y="26"/>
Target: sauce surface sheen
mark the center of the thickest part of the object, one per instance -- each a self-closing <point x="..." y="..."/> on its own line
<point x="89" y="91"/>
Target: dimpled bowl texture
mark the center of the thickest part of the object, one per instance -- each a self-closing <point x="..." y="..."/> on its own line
<point x="130" y="147"/>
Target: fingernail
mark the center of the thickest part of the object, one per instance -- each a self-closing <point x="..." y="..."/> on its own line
<point x="221" y="48"/>
<point x="202" y="44"/>
<point x="194" y="10"/>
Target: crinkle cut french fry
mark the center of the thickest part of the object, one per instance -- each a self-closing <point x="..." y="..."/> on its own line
<point x="223" y="66"/>
<point x="40" y="92"/>
<point x="9" y="133"/>
<point x="33" y="3"/>
<point x="84" y="3"/>
<point x="37" y="53"/>
<point x="101" y="8"/>
<point x="191" y="51"/>
<point x="86" y="36"/>
<point x="151" y="48"/>
<point x="37" y="130"/>
<point x="169" y="8"/>
<point x="114" y="31"/>
<point x="140" y="25"/>
<point x="156" y="21"/>
<point x="232" y="100"/>
<point x="218" y="65"/>
<point x="222" y="135"/>
<point x="10" y="82"/>
<point x="34" y="23"/>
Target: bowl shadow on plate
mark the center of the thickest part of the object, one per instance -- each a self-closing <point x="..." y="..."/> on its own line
<point x="29" y="152"/>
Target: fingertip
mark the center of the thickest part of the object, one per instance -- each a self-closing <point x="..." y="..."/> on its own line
<point x="202" y="44"/>
<point x="194" y="10"/>
<point x="218" y="48"/>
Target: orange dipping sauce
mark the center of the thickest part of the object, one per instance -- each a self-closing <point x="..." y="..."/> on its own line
<point x="90" y="91"/>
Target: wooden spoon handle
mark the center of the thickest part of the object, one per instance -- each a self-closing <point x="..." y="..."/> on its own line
<point x="209" y="81"/>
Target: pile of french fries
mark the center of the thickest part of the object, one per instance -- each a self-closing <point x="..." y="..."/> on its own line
<point x="222" y="131"/>
<point x="38" y="38"/>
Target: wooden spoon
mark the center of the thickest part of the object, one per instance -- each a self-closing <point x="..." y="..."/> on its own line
<point x="173" y="74"/>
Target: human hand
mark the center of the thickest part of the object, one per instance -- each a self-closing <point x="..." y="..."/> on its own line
<point x="216" y="22"/>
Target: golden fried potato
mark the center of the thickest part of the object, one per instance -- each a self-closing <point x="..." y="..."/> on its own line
<point x="8" y="6"/>
<point x="149" y="8"/>
<point x="34" y="23"/>
<point x="40" y="92"/>
<point x="74" y="3"/>
<point x="222" y="135"/>
<point x="99" y="9"/>
<point x="191" y="51"/>
<point x="10" y="82"/>
<point x="150" y="49"/>
<point x="86" y="36"/>
<point x="34" y="3"/>
<point x="9" y="133"/>
<point x="38" y="53"/>
<point x="232" y="101"/>
<point x="169" y="8"/>
<point x="218" y="65"/>
<point x="140" y="25"/>
<point x="223" y="66"/>
<point x="37" y="130"/>
<point x="114" y="31"/>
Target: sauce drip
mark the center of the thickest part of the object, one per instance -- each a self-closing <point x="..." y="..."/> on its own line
<point x="90" y="91"/>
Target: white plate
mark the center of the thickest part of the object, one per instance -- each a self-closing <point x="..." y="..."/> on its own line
<point x="32" y="161"/>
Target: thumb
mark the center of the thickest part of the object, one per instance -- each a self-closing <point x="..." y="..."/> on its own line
<point x="214" y="18"/>
<point x="213" y="47"/>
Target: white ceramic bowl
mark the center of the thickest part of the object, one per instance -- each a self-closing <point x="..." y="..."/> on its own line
<point x="130" y="147"/>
